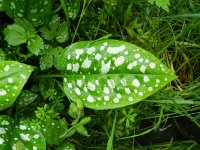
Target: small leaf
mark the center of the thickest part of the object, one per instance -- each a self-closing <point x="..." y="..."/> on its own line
<point x="13" y="76"/>
<point x="73" y="7"/>
<point x="15" y="35"/>
<point x="82" y="130"/>
<point x="35" y="45"/>
<point x="35" y="11"/>
<point x="56" y="30"/>
<point x="50" y="56"/>
<point x="52" y="129"/>
<point x="22" y="135"/>
<point x="108" y="74"/>
<point x="25" y="98"/>
<point x="161" y="3"/>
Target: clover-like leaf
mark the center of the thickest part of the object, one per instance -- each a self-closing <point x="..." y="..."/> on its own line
<point x="15" y="35"/>
<point x="22" y="135"/>
<point x="35" y="11"/>
<point x="13" y="76"/>
<point x="35" y="45"/>
<point x="108" y="74"/>
<point x="56" y="29"/>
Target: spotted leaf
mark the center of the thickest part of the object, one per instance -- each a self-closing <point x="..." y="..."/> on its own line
<point x="73" y="7"/>
<point x="35" y="11"/>
<point x="52" y="130"/>
<point x="13" y="76"/>
<point x="22" y="135"/>
<point x="108" y="74"/>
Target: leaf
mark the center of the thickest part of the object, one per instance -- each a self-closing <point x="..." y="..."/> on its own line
<point x="108" y="74"/>
<point x="35" y="11"/>
<point x="50" y="56"/>
<point x="22" y="135"/>
<point x="161" y="3"/>
<point x="73" y="7"/>
<point x="15" y="35"/>
<point x="35" y="45"/>
<point x="13" y="76"/>
<point x="25" y="98"/>
<point x="52" y="129"/>
<point x="56" y="30"/>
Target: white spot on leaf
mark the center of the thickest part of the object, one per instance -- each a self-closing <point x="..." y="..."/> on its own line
<point x="136" y="83"/>
<point x="86" y="63"/>
<point x="152" y="65"/>
<point x="90" y="99"/>
<point x="78" y="92"/>
<point x="119" y="61"/>
<point x="25" y="137"/>
<point x="116" y="50"/>
<point x="91" y="86"/>
<point x="105" y="67"/>
<point x="106" y="90"/>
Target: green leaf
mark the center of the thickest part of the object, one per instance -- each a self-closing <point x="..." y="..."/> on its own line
<point x="56" y="30"/>
<point x="161" y="3"/>
<point x="25" y="98"/>
<point x="35" y="11"/>
<point x="22" y="135"/>
<point x="73" y="7"/>
<point x="35" y="45"/>
<point x="13" y="76"/>
<point x="52" y="129"/>
<point x="50" y="56"/>
<point x="15" y="35"/>
<point x="108" y="74"/>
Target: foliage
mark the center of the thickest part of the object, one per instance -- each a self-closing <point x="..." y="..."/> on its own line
<point x="62" y="61"/>
<point x="161" y="3"/>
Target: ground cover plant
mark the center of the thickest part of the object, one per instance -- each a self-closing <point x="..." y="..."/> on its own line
<point x="99" y="74"/>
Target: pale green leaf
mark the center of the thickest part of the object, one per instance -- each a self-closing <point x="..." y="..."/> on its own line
<point x="13" y="76"/>
<point x="108" y="74"/>
<point x="164" y="4"/>
<point x="15" y="35"/>
<point x="15" y="135"/>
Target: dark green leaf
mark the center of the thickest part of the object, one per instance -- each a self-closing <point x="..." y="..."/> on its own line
<point x="56" y="30"/>
<point x="25" y="98"/>
<point x="108" y="74"/>
<point x="13" y="76"/>
<point x="35" y="11"/>
<point x="73" y="7"/>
